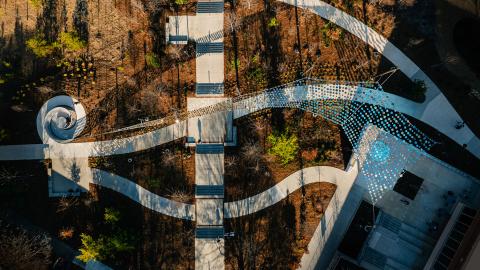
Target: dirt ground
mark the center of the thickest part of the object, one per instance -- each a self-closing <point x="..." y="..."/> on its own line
<point x="277" y="237"/>
<point x="167" y="170"/>
<point x="250" y="169"/>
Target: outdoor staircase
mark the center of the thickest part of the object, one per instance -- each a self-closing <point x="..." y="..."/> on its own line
<point x="209" y="47"/>
<point x="209" y="190"/>
<point x="209" y="148"/>
<point x="374" y="258"/>
<point x="210" y="7"/>
<point x="210" y="232"/>
<point x="409" y="236"/>
<point x="177" y="38"/>
<point x="416" y="237"/>
<point x="455" y="237"/>
<point x="209" y="89"/>
<point x="390" y="223"/>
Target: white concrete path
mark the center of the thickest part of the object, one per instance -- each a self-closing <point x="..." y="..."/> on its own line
<point x="342" y="179"/>
<point x="142" y="196"/>
<point x="295" y="94"/>
<point x="436" y="110"/>
<point x="95" y="149"/>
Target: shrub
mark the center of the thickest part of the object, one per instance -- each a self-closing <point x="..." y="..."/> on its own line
<point x="20" y="249"/>
<point x="235" y="64"/>
<point x="104" y="247"/>
<point x="284" y="146"/>
<point x="111" y="216"/>
<point x="36" y="3"/>
<point x="154" y="183"/>
<point x="256" y="74"/>
<point x="70" y="41"/>
<point x="65" y="233"/>
<point x="273" y="22"/>
<point x="310" y="155"/>
<point x="90" y="249"/>
<point x="152" y="60"/>
<point x="40" y="47"/>
<point x="181" y="2"/>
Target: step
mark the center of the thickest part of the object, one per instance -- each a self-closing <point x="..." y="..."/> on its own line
<point x="210" y="47"/>
<point x="177" y="38"/>
<point x="409" y="246"/>
<point x="391" y="223"/>
<point x="209" y="148"/>
<point x="209" y="190"/>
<point x="417" y="233"/>
<point x="210" y="7"/>
<point x="209" y="89"/>
<point x="374" y="257"/>
<point x="209" y="232"/>
<point x="395" y="265"/>
<point x="416" y="241"/>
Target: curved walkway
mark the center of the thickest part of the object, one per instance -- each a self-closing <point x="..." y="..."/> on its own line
<point x="341" y="207"/>
<point x="94" y="149"/>
<point x="142" y="196"/>
<point x="342" y="179"/>
<point x="292" y="96"/>
<point x="436" y="110"/>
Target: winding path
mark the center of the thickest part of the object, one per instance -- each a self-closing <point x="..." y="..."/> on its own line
<point x="142" y="196"/>
<point x="436" y="110"/>
<point x="94" y="149"/>
<point x="342" y="179"/>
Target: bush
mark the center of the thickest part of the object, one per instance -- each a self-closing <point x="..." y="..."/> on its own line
<point x="70" y="41"/>
<point x="20" y="249"/>
<point x="105" y="247"/>
<point x="65" y="233"/>
<point x="284" y="146"/>
<point x="40" y="47"/>
<point x="181" y="2"/>
<point x="111" y="216"/>
<point x="256" y="74"/>
<point x="36" y="3"/>
<point x="273" y="22"/>
<point x="90" y="249"/>
<point x="152" y="60"/>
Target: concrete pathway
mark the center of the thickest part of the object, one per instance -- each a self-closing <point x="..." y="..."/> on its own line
<point x="94" y="149"/>
<point x="436" y="110"/>
<point x="206" y="131"/>
<point x="142" y="196"/>
<point x="343" y="204"/>
<point x="294" y="95"/>
<point x="342" y="179"/>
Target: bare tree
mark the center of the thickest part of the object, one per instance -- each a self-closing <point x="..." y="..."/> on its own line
<point x="231" y="161"/>
<point x="19" y="250"/>
<point x="9" y="176"/>
<point x="168" y="158"/>
<point x="175" y="52"/>
<point x="251" y="151"/>
<point x="66" y="203"/>
<point x="180" y="195"/>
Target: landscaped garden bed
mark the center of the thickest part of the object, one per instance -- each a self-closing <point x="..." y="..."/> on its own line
<point x="277" y="237"/>
<point x="116" y="229"/>
<point x="167" y="170"/>
<point x="270" y="150"/>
